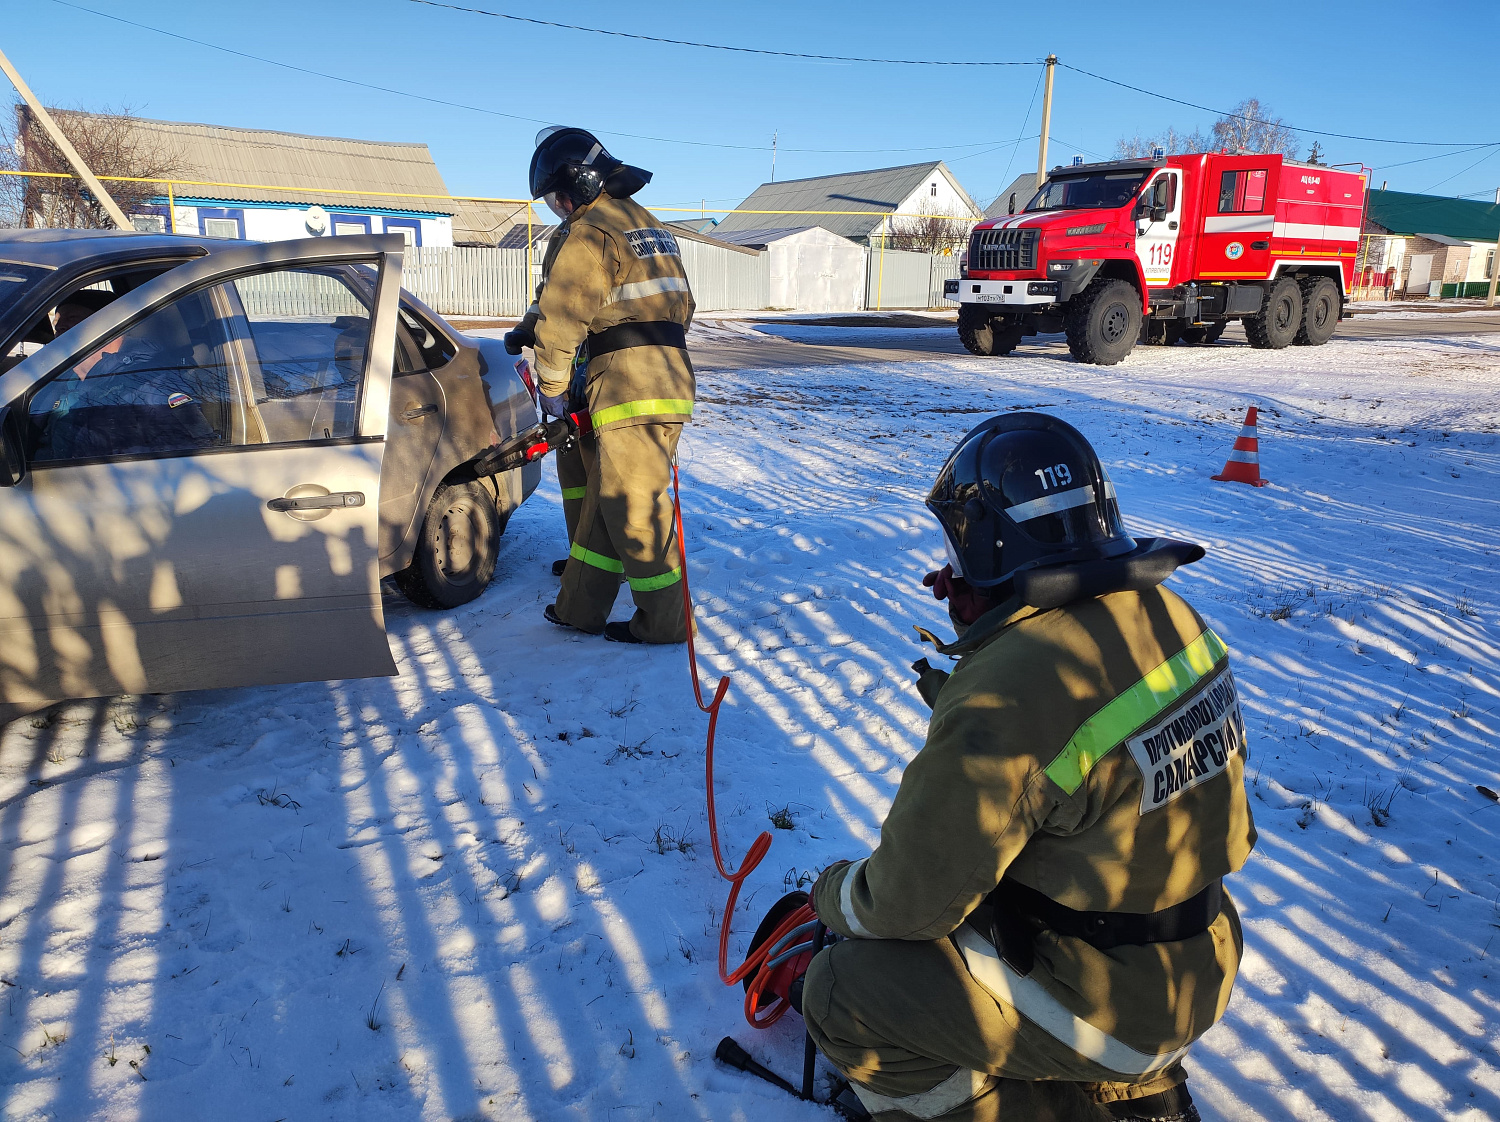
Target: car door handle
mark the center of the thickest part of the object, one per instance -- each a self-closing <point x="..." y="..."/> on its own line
<point x="334" y="501"/>
<point x="419" y="412"/>
<point x="1171" y="225"/>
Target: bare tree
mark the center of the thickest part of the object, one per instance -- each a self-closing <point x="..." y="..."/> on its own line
<point x="1248" y="127"/>
<point x="111" y="143"/>
<point x="928" y="232"/>
<point x="1173" y="142"/>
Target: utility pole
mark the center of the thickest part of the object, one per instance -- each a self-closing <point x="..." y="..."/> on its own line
<point x="1041" y="159"/>
<point x="1494" y="276"/>
<point x="80" y="168"/>
<point x="773" y="157"/>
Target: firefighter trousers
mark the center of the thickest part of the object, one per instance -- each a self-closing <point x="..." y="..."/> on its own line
<point x="573" y="477"/>
<point x="626" y="531"/>
<point x="918" y="1037"/>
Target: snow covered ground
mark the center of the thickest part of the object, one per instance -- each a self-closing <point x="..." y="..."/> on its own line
<point x="482" y="889"/>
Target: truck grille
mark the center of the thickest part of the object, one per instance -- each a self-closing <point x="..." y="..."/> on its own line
<point x="1002" y="250"/>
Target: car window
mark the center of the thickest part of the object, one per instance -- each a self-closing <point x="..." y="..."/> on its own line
<point x="431" y="344"/>
<point x="269" y="358"/>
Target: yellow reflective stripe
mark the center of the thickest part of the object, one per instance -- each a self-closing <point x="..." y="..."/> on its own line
<point x="1134" y="708"/>
<point x="647" y="408"/>
<point x="597" y="560"/>
<point x="651" y="584"/>
<point x="574" y="492"/>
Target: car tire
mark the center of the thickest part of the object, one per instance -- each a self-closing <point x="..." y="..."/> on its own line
<point x="457" y="547"/>
<point x="1103" y="322"/>
<point x="1201" y="336"/>
<point x="1279" y="321"/>
<point x="1320" y="311"/>
<point x="985" y="336"/>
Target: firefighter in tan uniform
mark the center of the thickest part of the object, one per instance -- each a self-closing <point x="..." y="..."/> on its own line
<point x="616" y="286"/>
<point x="1042" y="932"/>
<point x="572" y="460"/>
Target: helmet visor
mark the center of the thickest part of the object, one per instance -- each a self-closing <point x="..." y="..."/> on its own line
<point x="559" y="204"/>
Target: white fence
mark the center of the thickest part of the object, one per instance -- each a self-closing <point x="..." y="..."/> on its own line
<point x="461" y="281"/>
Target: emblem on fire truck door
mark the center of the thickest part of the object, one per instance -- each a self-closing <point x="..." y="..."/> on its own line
<point x="1234" y="251"/>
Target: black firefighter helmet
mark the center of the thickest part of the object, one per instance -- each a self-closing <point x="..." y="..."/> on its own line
<point x="571" y="163"/>
<point x="1024" y="498"/>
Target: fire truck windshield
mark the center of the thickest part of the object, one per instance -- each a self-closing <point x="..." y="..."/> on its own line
<point x="1100" y="191"/>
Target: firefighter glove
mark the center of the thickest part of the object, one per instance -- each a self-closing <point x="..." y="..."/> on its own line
<point x="518" y="337"/>
<point x="554" y="406"/>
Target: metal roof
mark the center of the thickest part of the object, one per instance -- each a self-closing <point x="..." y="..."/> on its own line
<point x="1023" y="186"/>
<point x="759" y="239"/>
<point x="332" y="166"/>
<point x="876" y="193"/>
<point x="1399" y="212"/>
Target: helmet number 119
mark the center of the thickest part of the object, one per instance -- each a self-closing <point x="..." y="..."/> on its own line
<point x="1059" y="476"/>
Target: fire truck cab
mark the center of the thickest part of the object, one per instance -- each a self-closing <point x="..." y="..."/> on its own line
<point x="1162" y="250"/>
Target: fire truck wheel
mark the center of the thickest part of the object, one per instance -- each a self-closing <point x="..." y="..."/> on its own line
<point x="1280" y="320"/>
<point x="984" y="336"/>
<point x="1320" y="311"/>
<point x="1103" y="322"/>
<point x="1198" y="336"/>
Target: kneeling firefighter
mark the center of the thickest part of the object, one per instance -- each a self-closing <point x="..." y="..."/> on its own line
<point x="1042" y="931"/>
<point x="616" y="287"/>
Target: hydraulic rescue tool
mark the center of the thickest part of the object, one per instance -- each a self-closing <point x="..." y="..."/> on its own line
<point x="534" y="443"/>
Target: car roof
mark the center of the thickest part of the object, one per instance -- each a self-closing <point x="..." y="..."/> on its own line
<point x="52" y="249"/>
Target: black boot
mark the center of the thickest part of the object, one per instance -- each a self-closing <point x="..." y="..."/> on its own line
<point x="619" y="632"/>
<point x="1175" y="1105"/>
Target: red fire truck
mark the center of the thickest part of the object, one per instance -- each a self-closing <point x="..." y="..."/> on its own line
<point x="1158" y="250"/>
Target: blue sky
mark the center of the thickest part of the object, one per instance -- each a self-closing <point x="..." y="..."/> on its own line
<point x="1342" y="66"/>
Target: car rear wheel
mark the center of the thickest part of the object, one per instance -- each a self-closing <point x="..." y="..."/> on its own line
<point x="456" y="552"/>
<point x="984" y="336"/>
<point x="1320" y="311"/>
<point x="1198" y="336"/>
<point x="1279" y="321"/>
<point x="1103" y="322"/>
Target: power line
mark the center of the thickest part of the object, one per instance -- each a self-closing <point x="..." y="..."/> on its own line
<point x="715" y="46"/>
<point x="496" y="112"/>
<point x="1257" y="121"/>
<point x="1439" y="156"/>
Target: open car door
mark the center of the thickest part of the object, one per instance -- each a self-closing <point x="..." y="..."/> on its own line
<point x="197" y="502"/>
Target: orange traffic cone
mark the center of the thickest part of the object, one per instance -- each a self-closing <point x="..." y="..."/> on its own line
<point x="1243" y="465"/>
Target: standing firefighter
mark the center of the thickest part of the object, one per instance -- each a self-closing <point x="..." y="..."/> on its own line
<point x="1042" y="931"/>
<point x="572" y="460"/>
<point x="616" y="286"/>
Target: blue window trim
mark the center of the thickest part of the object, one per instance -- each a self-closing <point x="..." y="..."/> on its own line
<point x="235" y="213"/>
<point x="412" y="224"/>
<point x="190" y="200"/>
<point x="335" y="217"/>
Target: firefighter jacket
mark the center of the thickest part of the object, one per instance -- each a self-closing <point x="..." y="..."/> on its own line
<point x="618" y="266"/>
<point x="1094" y="753"/>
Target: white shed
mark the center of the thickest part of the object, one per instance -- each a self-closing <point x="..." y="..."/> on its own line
<point x="811" y="269"/>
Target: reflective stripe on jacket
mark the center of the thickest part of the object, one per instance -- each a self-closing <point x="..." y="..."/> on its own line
<point x="618" y="265"/>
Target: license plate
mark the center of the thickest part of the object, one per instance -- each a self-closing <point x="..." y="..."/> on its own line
<point x="988" y="298"/>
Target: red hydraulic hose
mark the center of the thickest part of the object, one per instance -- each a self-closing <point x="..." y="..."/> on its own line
<point x="755" y="993"/>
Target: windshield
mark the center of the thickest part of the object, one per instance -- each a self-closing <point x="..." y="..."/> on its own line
<point x="16" y="281"/>
<point x="1100" y="191"/>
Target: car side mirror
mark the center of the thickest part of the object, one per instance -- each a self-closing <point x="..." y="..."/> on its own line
<point x="12" y="448"/>
<point x="1159" y="213"/>
<point x="1012" y="202"/>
